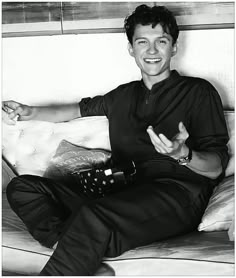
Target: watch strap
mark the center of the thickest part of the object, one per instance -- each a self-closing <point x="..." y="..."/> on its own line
<point x="186" y="159"/>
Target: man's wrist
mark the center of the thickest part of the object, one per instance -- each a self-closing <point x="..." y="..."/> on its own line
<point x="34" y="111"/>
<point x="184" y="151"/>
<point x="186" y="155"/>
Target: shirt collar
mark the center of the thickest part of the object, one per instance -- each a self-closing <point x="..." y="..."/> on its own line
<point x="173" y="76"/>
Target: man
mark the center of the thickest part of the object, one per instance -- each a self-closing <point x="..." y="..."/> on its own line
<point x="171" y="126"/>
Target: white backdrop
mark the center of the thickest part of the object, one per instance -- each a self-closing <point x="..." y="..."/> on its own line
<point x="64" y="68"/>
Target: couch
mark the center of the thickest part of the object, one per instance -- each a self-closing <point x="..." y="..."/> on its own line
<point x="36" y="147"/>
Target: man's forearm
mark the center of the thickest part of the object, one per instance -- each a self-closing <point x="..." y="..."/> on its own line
<point x="206" y="163"/>
<point x="57" y="113"/>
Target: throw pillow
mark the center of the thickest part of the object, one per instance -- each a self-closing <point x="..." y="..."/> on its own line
<point x="219" y="213"/>
<point x="70" y="158"/>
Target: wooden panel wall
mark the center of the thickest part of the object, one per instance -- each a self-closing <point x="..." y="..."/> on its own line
<point x="29" y="12"/>
<point x="43" y="18"/>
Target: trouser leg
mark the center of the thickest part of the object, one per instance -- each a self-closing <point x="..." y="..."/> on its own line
<point x="43" y="205"/>
<point x="119" y="222"/>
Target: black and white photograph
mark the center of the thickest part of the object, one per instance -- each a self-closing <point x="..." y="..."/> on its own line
<point x="118" y="138"/>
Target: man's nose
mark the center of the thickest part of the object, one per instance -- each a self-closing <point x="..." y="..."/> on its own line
<point x="152" y="48"/>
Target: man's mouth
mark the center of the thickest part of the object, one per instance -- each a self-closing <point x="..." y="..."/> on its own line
<point x="152" y="60"/>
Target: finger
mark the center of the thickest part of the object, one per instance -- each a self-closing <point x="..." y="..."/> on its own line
<point x="151" y="132"/>
<point x="159" y="146"/>
<point x="6" y="119"/>
<point x="16" y="112"/>
<point x="165" y="141"/>
<point x="165" y="149"/>
<point x="182" y="128"/>
<point x="184" y="132"/>
<point x="10" y="104"/>
<point x="6" y="109"/>
<point x="154" y="138"/>
<point x="152" y="135"/>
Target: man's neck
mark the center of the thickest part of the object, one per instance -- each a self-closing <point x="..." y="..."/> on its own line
<point x="149" y="81"/>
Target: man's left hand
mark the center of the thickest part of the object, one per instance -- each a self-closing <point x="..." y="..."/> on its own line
<point x="174" y="148"/>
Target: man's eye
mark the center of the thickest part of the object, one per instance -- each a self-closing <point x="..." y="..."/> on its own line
<point x="163" y="41"/>
<point x="142" y="42"/>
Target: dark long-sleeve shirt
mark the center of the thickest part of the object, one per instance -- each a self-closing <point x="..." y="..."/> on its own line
<point x="131" y="108"/>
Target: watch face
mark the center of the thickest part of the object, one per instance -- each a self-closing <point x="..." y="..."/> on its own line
<point x="183" y="161"/>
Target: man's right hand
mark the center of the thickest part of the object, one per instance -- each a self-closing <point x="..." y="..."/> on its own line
<point x="53" y="113"/>
<point x="15" y="109"/>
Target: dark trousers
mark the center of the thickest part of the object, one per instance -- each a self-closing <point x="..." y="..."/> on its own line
<point x="87" y="230"/>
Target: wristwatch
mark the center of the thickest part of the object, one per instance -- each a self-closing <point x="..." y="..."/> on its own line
<point x="186" y="159"/>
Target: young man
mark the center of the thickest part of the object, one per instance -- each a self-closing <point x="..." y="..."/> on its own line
<point x="172" y="127"/>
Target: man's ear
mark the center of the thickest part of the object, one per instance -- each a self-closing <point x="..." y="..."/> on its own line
<point x="174" y="50"/>
<point x="130" y="49"/>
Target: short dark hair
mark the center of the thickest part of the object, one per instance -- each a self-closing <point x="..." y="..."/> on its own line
<point x="146" y="15"/>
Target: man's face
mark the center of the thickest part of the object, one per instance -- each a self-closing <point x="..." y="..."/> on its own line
<point x="152" y="49"/>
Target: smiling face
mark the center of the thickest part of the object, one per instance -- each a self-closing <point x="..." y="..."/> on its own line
<point x="152" y="49"/>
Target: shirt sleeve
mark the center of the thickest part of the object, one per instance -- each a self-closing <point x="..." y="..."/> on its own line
<point x="208" y="129"/>
<point x="98" y="105"/>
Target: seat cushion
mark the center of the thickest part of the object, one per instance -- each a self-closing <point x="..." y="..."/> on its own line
<point x="197" y="253"/>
